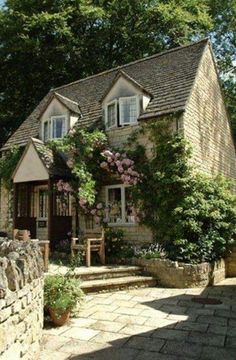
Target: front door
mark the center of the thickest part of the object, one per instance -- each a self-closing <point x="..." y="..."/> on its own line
<point x="42" y="212"/>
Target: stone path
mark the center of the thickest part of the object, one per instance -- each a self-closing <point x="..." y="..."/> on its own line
<point x="149" y="324"/>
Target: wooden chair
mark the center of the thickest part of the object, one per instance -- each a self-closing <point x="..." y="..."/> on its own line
<point x="94" y="242"/>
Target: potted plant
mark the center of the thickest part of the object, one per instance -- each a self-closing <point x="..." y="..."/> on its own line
<point x="61" y="295"/>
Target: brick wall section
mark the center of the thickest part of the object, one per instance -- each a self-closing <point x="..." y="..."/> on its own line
<point x="206" y="123"/>
<point x="21" y="301"/>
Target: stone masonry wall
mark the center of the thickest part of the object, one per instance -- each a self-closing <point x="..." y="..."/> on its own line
<point x="179" y="275"/>
<point x="21" y="300"/>
<point x="206" y="123"/>
<point x="5" y="221"/>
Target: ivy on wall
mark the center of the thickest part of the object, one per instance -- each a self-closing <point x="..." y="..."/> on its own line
<point x="8" y="163"/>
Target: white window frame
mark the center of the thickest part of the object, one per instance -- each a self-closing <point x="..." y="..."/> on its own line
<point x="122" y="123"/>
<point x="52" y="121"/>
<point x="49" y="129"/>
<point x="39" y="218"/>
<point x="122" y="187"/>
<point x="106" y="114"/>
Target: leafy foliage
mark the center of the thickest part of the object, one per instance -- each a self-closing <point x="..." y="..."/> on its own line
<point x="62" y="293"/>
<point x="192" y="215"/>
<point x="8" y="164"/>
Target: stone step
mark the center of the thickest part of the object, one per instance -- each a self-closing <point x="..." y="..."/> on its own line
<point x="108" y="272"/>
<point x="117" y="283"/>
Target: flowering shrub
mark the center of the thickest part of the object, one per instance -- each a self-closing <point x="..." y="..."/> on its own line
<point x="152" y="251"/>
<point x="120" y="165"/>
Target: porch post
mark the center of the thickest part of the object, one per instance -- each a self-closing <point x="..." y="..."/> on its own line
<point x="50" y="210"/>
<point x="15" y="202"/>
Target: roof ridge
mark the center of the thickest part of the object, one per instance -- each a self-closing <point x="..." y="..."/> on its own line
<point x="206" y="40"/>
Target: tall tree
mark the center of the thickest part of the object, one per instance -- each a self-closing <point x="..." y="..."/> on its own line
<point x="45" y="43"/>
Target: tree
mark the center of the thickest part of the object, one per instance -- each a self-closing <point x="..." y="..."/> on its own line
<point x="48" y="43"/>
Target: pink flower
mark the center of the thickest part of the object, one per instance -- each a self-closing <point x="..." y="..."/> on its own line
<point x="67" y="187"/>
<point x="118" y="163"/>
<point x="109" y="159"/>
<point x="97" y="219"/>
<point x="103" y="165"/>
<point x="99" y="206"/>
<point x="107" y="153"/>
<point x="120" y="169"/>
<point x="93" y="212"/>
<point x="117" y="155"/>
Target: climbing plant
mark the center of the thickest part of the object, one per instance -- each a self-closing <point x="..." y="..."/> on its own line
<point x="8" y="163"/>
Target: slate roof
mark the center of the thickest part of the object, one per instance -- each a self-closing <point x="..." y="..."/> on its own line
<point x="168" y="76"/>
<point x="54" y="162"/>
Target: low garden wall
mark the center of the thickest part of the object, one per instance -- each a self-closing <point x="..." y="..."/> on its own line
<point x="179" y="275"/>
<point x="21" y="300"/>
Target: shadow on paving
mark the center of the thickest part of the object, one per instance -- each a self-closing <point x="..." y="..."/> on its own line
<point x="207" y="331"/>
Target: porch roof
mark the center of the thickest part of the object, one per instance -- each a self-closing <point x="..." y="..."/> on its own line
<point x="38" y="162"/>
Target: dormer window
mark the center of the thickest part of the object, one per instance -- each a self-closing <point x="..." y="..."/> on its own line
<point x="129" y="110"/>
<point x="58" y="124"/>
<point x="111" y="114"/>
<point x="54" y="128"/>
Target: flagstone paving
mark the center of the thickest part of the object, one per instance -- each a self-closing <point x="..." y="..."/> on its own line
<point x="149" y="324"/>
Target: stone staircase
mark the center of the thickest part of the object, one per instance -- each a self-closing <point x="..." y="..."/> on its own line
<point x="115" y="278"/>
<point x="110" y="277"/>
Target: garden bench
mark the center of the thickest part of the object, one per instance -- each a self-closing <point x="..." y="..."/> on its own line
<point x="94" y="242"/>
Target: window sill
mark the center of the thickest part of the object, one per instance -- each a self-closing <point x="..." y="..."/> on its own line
<point x="122" y="224"/>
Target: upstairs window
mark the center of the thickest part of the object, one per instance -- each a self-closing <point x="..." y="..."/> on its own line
<point x="129" y="110"/>
<point x="45" y="131"/>
<point x="111" y="114"/>
<point x="58" y="124"/>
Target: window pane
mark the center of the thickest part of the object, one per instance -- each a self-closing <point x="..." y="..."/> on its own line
<point x="129" y="110"/>
<point x="129" y="207"/>
<point x="45" y="131"/>
<point x="58" y="128"/>
<point x="111" y="115"/>
<point x="43" y="204"/>
<point x="114" y="203"/>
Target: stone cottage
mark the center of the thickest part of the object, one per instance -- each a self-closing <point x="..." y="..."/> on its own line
<point x="183" y="82"/>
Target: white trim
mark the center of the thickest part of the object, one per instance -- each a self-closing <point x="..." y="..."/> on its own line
<point x="106" y="114"/>
<point x="49" y="129"/>
<point x="123" y="204"/>
<point x="121" y="99"/>
<point x="51" y="125"/>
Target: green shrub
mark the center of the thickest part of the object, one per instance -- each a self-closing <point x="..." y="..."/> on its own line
<point x="192" y="215"/>
<point x="115" y="245"/>
<point x="62" y="293"/>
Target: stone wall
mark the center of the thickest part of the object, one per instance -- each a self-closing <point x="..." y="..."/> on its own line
<point x="5" y="216"/>
<point x="179" y="275"/>
<point x="21" y="300"/>
<point x="207" y="125"/>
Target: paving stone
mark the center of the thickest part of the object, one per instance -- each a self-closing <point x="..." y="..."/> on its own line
<point x="137" y="330"/>
<point x="53" y="342"/>
<point x="127" y="319"/>
<point x="147" y="355"/>
<point x="217" y="329"/>
<point x="80" y="333"/>
<point x="84" y="322"/>
<point x="226" y="313"/>
<point x="154" y="313"/>
<point x="143" y="343"/>
<point x="79" y="347"/>
<point x="206" y="338"/>
<point x="231" y="331"/>
<point x="217" y="353"/>
<point x="212" y="320"/>
<point x="128" y="311"/>
<point x="190" y="325"/>
<point x="231" y="342"/>
<point x="182" y="349"/>
<point x="170" y="334"/>
<point x="104" y="316"/>
<point x="107" y="326"/>
<point x="49" y="355"/>
<point x="178" y="310"/>
<point x="160" y="323"/>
